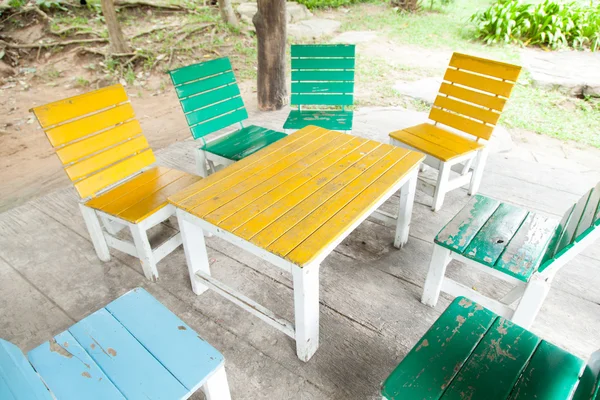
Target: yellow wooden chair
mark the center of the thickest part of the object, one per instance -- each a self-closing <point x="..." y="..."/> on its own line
<point x="105" y="154"/>
<point x="464" y="114"/>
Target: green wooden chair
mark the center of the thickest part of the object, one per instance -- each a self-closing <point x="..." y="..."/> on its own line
<point x="472" y="353"/>
<point x="211" y="101"/>
<point x="512" y="244"/>
<point x="322" y="75"/>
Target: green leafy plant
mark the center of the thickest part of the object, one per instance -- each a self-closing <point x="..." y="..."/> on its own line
<point x="312" y="4"/>
<point x="545" y="24"/>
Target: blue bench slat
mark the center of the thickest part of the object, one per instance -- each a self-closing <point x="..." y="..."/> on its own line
<point x="18" y="376"/>
<point x="5" y="393"/>
<point x="70" y="372"/>
<point x="133" y="370"/>
<point x="177" y="346"/>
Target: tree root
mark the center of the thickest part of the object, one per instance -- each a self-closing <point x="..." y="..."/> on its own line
<point x="79" y="30"/>
<point x="170" y="7"/>
<point x="51" y="44"/>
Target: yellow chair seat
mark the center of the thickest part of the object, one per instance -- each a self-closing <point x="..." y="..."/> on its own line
<point x="140" y="197"/>
<point x="435" y="141"/>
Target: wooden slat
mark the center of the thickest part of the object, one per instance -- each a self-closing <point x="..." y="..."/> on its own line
<point x="104" y="159"/>
<point x="93" y="144"/>
<point x="551" y="374"/>
<point x="113" y="174"/>
<point x="495" y="365"/>
<point x="132" y="369"/>
<point x="322" y="63"/>
<point x="589" y="214"/>
<point x="589" y="382"/>
<point x="322" y="76"/>
<point x="568" y="234"/>
<point x="18" y="377"/>
<point x="426" y="146"/>
<point x="460" y="231"/>
<point x="208" y="98"/>
<point x="551" y="250"/>
<point x="461" y="123"/>
<point x="238" y="149"/>
<point x="205" y="84"/>
<point x="214" y="110"/>
<point x="496" y="234"/>
<point x="220" y="122"/>
<point x="308" y="250"/>
<point x="322" y="87"/>
<point x="328" y="119"/>
<point x="195" y="71"/>
<point x="455" y="143"/>
<point x="70" y="372"/>
<point x="323" y="50"/>
<point x="80" y="128"/>
<point x="287" y="232"/>
<point x="433" y="362"/>
<point x="482" y="99"/>
<point x="468" y="110"/>
<point x="5" y="393"/>
<point x="269" y="185"/>
<point x="323" y="99"/>
<point x="478" y="82"/>
<point x="219" y="181"/>
<point x="485" y="67"/>
<point x="523" y="254"/>
<point x="78" y="106"/>
<point x="170" y="340"/>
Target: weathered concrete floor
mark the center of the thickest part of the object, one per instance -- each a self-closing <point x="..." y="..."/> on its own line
<point x="370" y="310"/>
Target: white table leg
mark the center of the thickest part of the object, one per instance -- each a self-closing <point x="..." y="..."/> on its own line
<point x="216" y="387"/>
<point x="306" y="310"/>
<point x="195" y="251"/>
<point x="405" y="209"/>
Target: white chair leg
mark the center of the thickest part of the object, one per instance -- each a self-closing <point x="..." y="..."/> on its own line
<point x="144" y="250"/>
<point x="435" y="276"/>
<point x="441" y="187"/>
<point x="306" y="310"/>
<point x="422" y="167"/>
<point x="216" y="387"/>
<point x="195" y="252"/>
<point x="535" y="293"/>
<point x="405" y="209"/>
<point x="201" y="166"/>
<point x="478" y="171"/>
<point x="95" y="230"/>
<point x="513" y="295"/>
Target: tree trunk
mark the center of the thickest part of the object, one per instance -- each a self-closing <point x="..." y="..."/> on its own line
<point x="271" y="29"/>
<point x="227" y="13"/>
<point x="115" y="36"/>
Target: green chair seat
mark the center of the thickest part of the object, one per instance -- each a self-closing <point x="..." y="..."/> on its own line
<point x="328" y="119"/>
<point x="243" y="142"/>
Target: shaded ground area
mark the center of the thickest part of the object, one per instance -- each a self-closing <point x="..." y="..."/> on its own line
<point x="371" y="316"/>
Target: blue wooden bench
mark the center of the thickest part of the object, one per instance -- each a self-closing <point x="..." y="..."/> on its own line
<point x="322" y="75"/>
<point x="134" y="348"/>
<point x="515" y="245"/>
<point x="472" y="353"/>
<point x="210" y="99"/>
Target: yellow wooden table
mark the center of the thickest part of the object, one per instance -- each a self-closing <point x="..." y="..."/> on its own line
<point x="292" y="203"/>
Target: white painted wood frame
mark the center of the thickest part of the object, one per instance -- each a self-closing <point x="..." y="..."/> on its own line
<point x="305" y="330"/>
<point x="216" y="387"/>
<point x="529" y="297"/>
<point x="208" y="163"/>
<point x="469" y="166"/>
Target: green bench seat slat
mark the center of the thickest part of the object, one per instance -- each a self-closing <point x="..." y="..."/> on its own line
<point x="432" y="364"/>
<point x="461" y="230"/>
<point x="588" y="218"/>
<point x="322" y="63"/>
<point x="320" y="50"/>
<point x="322" y="87"/>
<point x="524" y="252"/>
<point x="208" y="98"/>
<point x="221" y="122"/>
<point x="589" y="382"/>
<point x="322" y="99"/>
<point x="549" y="253"/>
<point x="244" y="142"/>
<point x="204" y="69"/>
<point x="551" y="374"/>
<point x="322" y="76"/>
<point x="204" y="85"/>
<point x="495" y="365"/>
<point x="328" y="119"/>
<point x="568" y="234"/>
<point x="215" y="110"/>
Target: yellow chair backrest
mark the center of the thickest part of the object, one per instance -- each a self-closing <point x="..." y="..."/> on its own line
<point x="96" y="137"/>
<point x="473" y="94"/>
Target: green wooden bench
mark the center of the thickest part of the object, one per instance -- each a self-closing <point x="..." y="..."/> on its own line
<point x="211" y="101"/>
<point x="515" y="245"/>
<point x="472" y="353"/>
<point x="322" y="75"/>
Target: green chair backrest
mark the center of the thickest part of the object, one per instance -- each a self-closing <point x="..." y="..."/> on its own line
<point x="323" y="74"/>
<point x="578" y="222"/>
<point x="589" y="382"/>
<point x="209" y="96"/>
